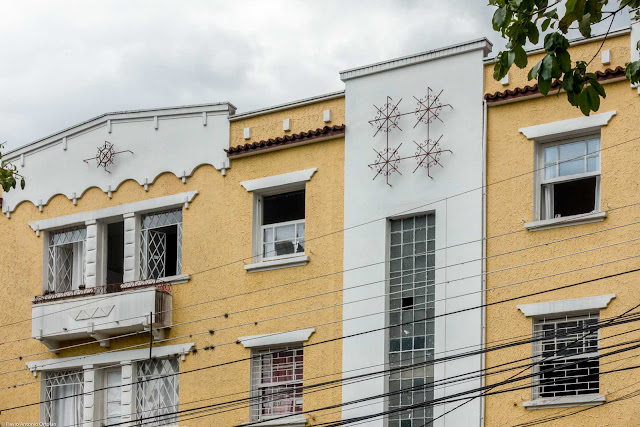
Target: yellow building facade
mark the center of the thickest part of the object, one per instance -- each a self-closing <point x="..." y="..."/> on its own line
<point x="561" y="247"/>
<point x="230" y="321"/>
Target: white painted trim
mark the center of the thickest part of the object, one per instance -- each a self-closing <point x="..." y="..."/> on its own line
<point x="278" y="338"/>
<point x="295" y="421"/>
<point x="108" y="357"/>
<point x="279" y="180"/>
<point x="288" y="105"/>
<point x="566" y="306"/>
<point x="563" y="127"/>
<point x="546" y="224"/>
<point x="564" y="402"/>
<point x="294" y="261"/>
<point x="142" y="206"/>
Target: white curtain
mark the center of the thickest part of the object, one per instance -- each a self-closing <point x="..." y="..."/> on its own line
<point x="67" y="408"/>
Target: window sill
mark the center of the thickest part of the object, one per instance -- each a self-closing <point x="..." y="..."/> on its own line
<point x="565" y="402"/>
<point x="293" y="261"/>
<point x="294" y="421"/>
<point x="566" y="221"/>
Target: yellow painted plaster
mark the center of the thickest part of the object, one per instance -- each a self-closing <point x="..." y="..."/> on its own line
<point x="217" y="233"/>
<point x="510" y="204"/>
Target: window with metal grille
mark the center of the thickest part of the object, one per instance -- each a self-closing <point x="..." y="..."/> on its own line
<point x="66" y="269"/>
<point x="283" y="225"/>
<point x="411" y="304"/>
<point x="157" y="392"/>
<point x="161" y="244"/>
<point x="63" y="400"/>
<point x="566" y="349"/>
<point x="276" y="382"/>
<point x="570" y="179"/>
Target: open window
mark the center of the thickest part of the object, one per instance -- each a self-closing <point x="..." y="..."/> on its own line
<point x="66" y="267"/>
<point x="570" y="179"/>
<point x="161" y="244"/>
<point x="115" y="256"/>
<point x="282" y="224"/>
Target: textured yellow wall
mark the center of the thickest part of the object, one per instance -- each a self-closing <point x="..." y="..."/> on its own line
<point x="511" y="202"/>
<point x="217" y="229"/>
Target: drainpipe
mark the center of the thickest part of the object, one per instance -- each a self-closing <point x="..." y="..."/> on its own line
<point x="483" y="263"/>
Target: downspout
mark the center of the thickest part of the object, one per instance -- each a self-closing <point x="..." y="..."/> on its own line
<point x="483" y="262"/>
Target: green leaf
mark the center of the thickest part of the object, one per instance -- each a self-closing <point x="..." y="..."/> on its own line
<point x="632" y="71"/>
<point x="564" y="60"/>
<point x="571" y="5"/>
<point x="533" y="33"/>
<point x="499" y="18"/>
<point x="533" y="72"/>
<point x="598" y="88"/>
<point x="585" y="25"/>
<point x="22" y="184"/>
<point x="546" y="70"/>
<point x="583" y="102"/>
<point x="544" y="85"/>
<point x="520" y="56"/>
<point x="545" y="24"/>
<point x="594" y="99"/>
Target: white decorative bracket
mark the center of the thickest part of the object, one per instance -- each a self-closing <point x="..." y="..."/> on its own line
<point x="40" y="206"/>
<point x="109" y="192"/>
<point x="146" y="184"/>
<point x="51" y="345"/>
<point x="75" y="199"/>
<point x="22" y="159"/>
<point x="286" y="125"/>
<point x="64" y="143"/>
<point x="326" y="116"/>
<point x="38" y="232"/>
<point x="184" y="177"/>
<point x="108" y="126"/>
<point x="155" y="122"/>
<point x="204" y="118"/>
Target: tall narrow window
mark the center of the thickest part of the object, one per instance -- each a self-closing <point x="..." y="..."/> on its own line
<point x="566" y="353"/>
<point x="157" y="392"/>
<point x="66" y="259"/>
<point x="276" y="382"/>
<point x="411" y="306"/>
<point x="283" y="224"/>
<point x="113" y="396"/>
<point x="63" y="400"/>
<point x="161" y="244"/>
<point x="115" y="256"/>
<point x="571" y="179"/>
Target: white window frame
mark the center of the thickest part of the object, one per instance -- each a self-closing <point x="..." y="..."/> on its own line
<point x="141" y="241"/>
<point x="78" y="260"/>
<point x="105" y="394"/>
<point x="544" y="187"/>
<point x="296" y="239"/>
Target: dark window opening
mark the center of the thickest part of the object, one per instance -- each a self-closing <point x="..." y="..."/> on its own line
<point x="171" y="252"/>
<point x="407" y="303"/>
<point x="283" y="207"/>
<point x="115" y="256"/>
<point x="574" y="197"/>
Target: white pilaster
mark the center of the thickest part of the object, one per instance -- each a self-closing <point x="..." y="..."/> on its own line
<point x="127" y="398"/>
<point x="89" y="396"/>
<point x="91" y="255"/>
<point x="131" y="246"/>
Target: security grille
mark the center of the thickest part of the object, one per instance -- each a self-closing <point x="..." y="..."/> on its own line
<point x="153" y="243"/>
<point x="157" y="392"/>
<point x="276" y="381"/>
<point x="66" y="258"/>
<point x="411" y="303"/>
<point x="63" y="401"/>
<point x="564" y="350"/>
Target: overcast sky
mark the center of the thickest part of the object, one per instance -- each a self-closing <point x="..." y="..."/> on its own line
<point x="63" y="62"/>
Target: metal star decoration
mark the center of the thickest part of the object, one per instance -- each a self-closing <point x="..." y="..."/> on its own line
<point x="105" y="156"/>
<point x="387" y="119"/>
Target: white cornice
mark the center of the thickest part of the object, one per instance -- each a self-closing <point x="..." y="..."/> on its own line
<point x="288" y="105"/>
<point x="109" y="357"/>
<point x="142" y="206"/>
<point x="566" y="306"/>
<point x="279" y="180"/>
<point x="563" y="127"/>
<point x="278" y="338"/>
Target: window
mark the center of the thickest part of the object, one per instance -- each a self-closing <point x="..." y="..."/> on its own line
<point x="63" y="400"/>
<point x="570" y="183"/>
<point x="115" y="256"/>
<point x="283" y="225"/>
<point x="566" y="340"/>
<point x="161" y="244"/>
<point x="66" y="259"/>
<point x="113" y="396"/>
<point x="411" y="303"/>
<point x="156" y="393"/>
<point x="276" y="381"/>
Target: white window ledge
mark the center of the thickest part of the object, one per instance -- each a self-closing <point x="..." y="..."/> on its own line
<point x="565" y="402"/>
<point x="566" y="127"/>
<point x="565" y="221"/>
<point x="293" y="261"/>
<point x="277" y="338"/>
<point x="294" y="421"/>
<point x="566" y="306"/>
<point x="279" y="180"/>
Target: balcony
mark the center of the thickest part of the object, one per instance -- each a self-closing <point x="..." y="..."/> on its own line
<point x="102" y="312"/>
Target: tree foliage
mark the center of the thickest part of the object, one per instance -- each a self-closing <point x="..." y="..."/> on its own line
<point x="522" y="21"/>
<point x="9" y="175"/>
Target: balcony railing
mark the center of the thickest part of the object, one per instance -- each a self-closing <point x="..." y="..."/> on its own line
<point x="101" y="290"/>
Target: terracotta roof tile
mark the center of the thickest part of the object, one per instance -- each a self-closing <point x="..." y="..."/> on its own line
<point x="325" y="132"/>
<point x="533" y="90"/>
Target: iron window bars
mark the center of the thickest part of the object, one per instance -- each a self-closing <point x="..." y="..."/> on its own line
<point x="154" y="243"/>
<point x="276" y="381"/>
<point x="566" y="341"/>
<point x="156" y="392"/>
<point x="66" y="266"/>
<point x="63" y="401"/>
<point x="411" y="299"/>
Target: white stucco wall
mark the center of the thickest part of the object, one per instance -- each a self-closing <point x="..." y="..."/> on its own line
<point x="176" y="140"/>
<point x="457" y="71"/>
